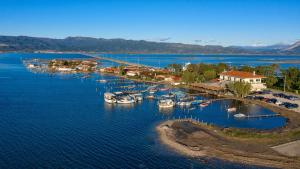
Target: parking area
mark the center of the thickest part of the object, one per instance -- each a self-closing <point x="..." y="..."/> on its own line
<point x="289" y="101"/>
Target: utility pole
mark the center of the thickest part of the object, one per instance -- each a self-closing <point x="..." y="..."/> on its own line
<point x="284" y="83"/>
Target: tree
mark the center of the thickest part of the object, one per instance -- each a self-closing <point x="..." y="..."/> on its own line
<point x="176" y="68"/>
<point x="240" y="89"/>
<point x="189" y="77"/>
<point x="122" y="70"/>
<point x="271" y="81"/>
<point x="292" y="78"/>
<point x="210" y="74"/>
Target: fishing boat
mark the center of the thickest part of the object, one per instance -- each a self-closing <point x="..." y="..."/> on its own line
<point x="137" y="96"/>
<point x="204" y="104"/>
<point x="164" y="89"/>
<point x="168" y="103"/>
<point x="168" y="96"/>
<point x="102" y="81"/>
<point x="125" y="99"/>
<point x="232" y="109"/>
<point x="110" y="97"/>
<point x="152" y="91"/>
<point x="150" y="96"/>
<point x="239" y="115"/>
<point x="184" y="103"/>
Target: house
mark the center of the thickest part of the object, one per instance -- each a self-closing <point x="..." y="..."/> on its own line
<point x="132" y="73"/>
<point x="247" y="77"/>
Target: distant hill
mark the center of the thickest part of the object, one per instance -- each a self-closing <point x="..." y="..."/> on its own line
<point x="87" y="44"/>
<point x="294" y="48"/>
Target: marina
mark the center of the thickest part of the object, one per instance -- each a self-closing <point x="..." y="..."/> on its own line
<point x="76" y="108"/>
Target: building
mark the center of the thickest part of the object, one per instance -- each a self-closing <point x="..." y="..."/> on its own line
<point x="247" y="77"/>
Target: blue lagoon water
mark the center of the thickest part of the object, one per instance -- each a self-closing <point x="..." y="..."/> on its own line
<point x="62" y="121"/>
<point x="163" y="60"/>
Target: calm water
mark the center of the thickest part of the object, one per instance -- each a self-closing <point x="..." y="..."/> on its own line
<point x="61" y="121"/>
<point x="163" y="60"/>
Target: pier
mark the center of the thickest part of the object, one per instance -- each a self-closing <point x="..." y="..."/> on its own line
<point x="114" y="60"/>
<point x="261" y="116"/>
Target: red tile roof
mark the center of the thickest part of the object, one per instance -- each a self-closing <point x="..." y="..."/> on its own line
<point x="240" y="74"/>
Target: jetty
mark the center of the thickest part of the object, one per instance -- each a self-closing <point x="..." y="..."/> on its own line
<point x="262" y="115"/>
<point x="114" y="60"/>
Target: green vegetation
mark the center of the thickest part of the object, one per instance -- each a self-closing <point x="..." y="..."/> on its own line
<point x="240" y="89"/>
<point x="200" y="72"/>
<point x="288" y="79"/>
<point x="121" y="70"/>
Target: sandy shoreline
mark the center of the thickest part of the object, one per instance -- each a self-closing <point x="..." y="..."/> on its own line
<point x="206" y="142"/>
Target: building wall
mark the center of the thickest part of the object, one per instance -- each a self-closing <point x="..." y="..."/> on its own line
<point x="256" y="84"/>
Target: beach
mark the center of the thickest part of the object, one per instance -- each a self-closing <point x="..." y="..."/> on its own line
<point x="199" y="140"/>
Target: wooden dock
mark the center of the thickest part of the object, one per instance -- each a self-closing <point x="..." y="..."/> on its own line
<point x="261" y="116"/>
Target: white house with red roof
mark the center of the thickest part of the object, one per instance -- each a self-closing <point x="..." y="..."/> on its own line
<point x="247" y="77"/>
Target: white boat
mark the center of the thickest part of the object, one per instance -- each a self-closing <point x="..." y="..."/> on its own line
<point x="152" y="91"/>
<point x="110" y="97"/>
<point x="232" y="109"/>
<point x="150" y="97"/>
<point x="102" y="81"/>
<point x="184" y="103"/>
<point x="125" y="100"/>
<point x="168" y="103"/>
<point x="137" y="96"/>
<point x="203" y="104"/>
<point x="239" y="115"/>
<point x="168" y="96"/>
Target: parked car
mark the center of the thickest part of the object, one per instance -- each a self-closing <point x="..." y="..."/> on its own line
<point x="249" y="97"/>
<point x="259" y="98"/>
<point x="289" y="105"/>
<point x="272" y="100"/>
<point x="292" y="97"/>
<point x="282" y="95"/>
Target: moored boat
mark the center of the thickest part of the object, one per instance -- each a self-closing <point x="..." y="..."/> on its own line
<point x="168" y="103"/>
<point x="125" y="99"/>
<point x="137" y="96"/>
<point x="232" y="109"/>
<point x="239" y="115"/>
<point x="110" y="97"/>
<point x="204" y="104"/>
<point x="150" y="96"/>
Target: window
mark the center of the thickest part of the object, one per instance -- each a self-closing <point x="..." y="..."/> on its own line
<point x="257" y="80"/>
<point x="251" y="81"/>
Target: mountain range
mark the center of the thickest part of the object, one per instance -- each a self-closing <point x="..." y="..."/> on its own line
<point x="87" y="44"/>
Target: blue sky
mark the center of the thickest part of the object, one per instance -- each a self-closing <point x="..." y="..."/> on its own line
<point x="218" y="22"/>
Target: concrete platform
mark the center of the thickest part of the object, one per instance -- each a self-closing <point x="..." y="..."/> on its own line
<point x="289" y="149"/>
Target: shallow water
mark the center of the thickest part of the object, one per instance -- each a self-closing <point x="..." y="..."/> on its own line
<point x="61" y="121"/>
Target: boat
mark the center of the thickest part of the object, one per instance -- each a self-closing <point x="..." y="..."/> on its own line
<point x="232" y="109"/>
<point x="137" y="96"/>
<point x="110" y="97"/>
<point x="239" y="115"/>
<point x="164" y="89"/>
<point x="204" y="104"/>
<point x="102" y="81"/>
<point x="125" y="99"/>
<point x="168" y="103"/>
<point x="168" y="96"/>
<point x="152" y="91"/>
<point x="184" y="103"/>
<point x="150" y="97"/>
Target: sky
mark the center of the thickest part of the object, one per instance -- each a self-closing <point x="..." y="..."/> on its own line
<point x="203" y="22"/>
